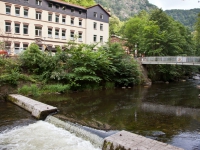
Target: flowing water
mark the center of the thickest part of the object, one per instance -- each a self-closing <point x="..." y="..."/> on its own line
<point x="166" y="112"/>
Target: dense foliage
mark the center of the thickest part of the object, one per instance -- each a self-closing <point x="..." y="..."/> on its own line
<point x="85" y="3"/>
<point x="186" y="17"/>
<point x="78" y="67"/>
<point x="157" y="34"/>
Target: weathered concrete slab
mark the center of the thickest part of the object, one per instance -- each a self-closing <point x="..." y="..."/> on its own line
<point x="38" y="109"/>
<point x="124" y="140"/>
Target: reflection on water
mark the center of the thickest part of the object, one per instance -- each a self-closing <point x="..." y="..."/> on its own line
<point x="172" y="109"/>
<point x="11" y="116"/>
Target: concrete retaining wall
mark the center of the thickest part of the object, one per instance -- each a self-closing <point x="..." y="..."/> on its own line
<point x="38" y="109"/>
<point x="124" y="140"/>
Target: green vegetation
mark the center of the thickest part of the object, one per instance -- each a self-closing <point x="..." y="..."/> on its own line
<point x="85" y="3"/>
<point x="186" y="17"/>
<point x="76" y="68"/>
<point x="157" y="34"/>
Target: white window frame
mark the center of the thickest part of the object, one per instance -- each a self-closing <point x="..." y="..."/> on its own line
<point x="95" y="14"/>
<point x="7" y="27"/>
<point x="63" y="34"/>
<point x="17" y="28"/>
<point x="38" y="31"/>
<point x="25" y="12"/>
<point x="38" y="2"/>
<point x="72" y="21"/>
<point x="8" y="10"/>
<point x="17" y="11"/>
<point x="80" y="23"/>
<point x="71" y="35"/>
<point x="101" y="39"/>
<point x="56" y="33"/>
<point x="80" y="36"/>
<point x="94" y="25"/>
<point x="63" y="20"/>
<point x="57" y="18"/>
<point x="101" y="27"/>
<point x="38" y="15"/>
<point x="49" y="17"/>
<point x="94" y="38"/>
<point x="17" y="48"/>
<point x="50" y="30"/>
<point x="101" y="16"/>
<point x="25" y="46"/>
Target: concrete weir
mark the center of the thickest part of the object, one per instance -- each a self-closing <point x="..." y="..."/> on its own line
<point x="124" y="140"/>
<point x="38" y="109"/>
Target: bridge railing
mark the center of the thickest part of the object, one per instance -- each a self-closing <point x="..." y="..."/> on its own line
<point x="171" y="60"/>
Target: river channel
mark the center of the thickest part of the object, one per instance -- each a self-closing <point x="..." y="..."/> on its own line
<point x="165" y="112"/>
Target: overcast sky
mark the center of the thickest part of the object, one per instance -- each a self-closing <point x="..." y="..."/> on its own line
<point x="176" y="4"/>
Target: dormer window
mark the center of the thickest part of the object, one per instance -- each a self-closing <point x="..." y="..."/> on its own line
<point x="50" y="5"/>
<point x="95" y="14"/>
<point x="101" y="16"/>
<point x="80" y="12"/>
<point x="72" y="10"/>
<point x="63" y="8"/>
<point x="38" y="2"/>
<point x="25" y="1"/>
<point x="57" y="6"/>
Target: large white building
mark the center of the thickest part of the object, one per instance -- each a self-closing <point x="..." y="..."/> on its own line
<point x="51" y="23"/>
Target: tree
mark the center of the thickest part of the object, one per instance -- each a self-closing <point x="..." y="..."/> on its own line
<point x="114" y="25"/>
<point x="197" y="35"/>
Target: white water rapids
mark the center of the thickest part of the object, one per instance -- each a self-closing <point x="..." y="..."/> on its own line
<point x="42" y="136"/>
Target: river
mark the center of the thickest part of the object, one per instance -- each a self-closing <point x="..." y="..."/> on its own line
<point x="166" y="112"/>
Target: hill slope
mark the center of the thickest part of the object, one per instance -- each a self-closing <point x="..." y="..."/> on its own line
<point x="186" y="17"/>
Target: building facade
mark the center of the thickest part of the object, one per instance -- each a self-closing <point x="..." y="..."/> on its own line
<point x="50" y="23"/>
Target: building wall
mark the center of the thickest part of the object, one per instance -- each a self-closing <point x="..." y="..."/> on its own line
<point x="86" y="29"/>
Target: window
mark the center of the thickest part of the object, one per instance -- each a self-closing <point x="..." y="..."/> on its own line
<point x="17" y="48"/>
<point x="63" y="8"/>
<point x="95" y="38"/>
<point x="49" y="32"/>
<point x="80" y="36"/>
<point x="25" y="29"/>
<point x="25" y="46"/>
<point x="80" y="23"/>
<point x="57" y="6"/>
<point x="57" y="33"/>
<point x="63" y="34"/>
<point x="38" y="15"/>
<point x="72" y="21"/>
<point x="17" y="11"/>
<point x="26" y="13"/>
<point x="26" y="1"/>
<point x="80" y="12"/>
<point x="40" y="46"/>
<point x="17" y="28"/>
<point x="8" y="27"/>
<point x="95" y="25"/>
<point x="101" y="27"/>
<point x="50" y="5"/>
<point x="101" y="39"/>
<point x="38" y="31"/>
<point x="63" y="19"/>
<point x="101" y="16"/>
<point x="95" y="14"/>
<point x="38" y="2"/>
<point x="72" y="10"/>
<point x="71" y="35"/>
<point x="57" y="18"/>
<point x="8" y="10"/>
<point x="50" y="17"/>
<point x="8" y="46"/>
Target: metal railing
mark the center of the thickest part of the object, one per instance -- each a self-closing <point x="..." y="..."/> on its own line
<point x="179" y="60"/>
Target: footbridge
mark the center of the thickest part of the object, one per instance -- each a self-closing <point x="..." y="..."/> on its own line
<point x="171" y="60"/>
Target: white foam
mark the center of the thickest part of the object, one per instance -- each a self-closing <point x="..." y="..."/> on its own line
<point x="42" y="136"/>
